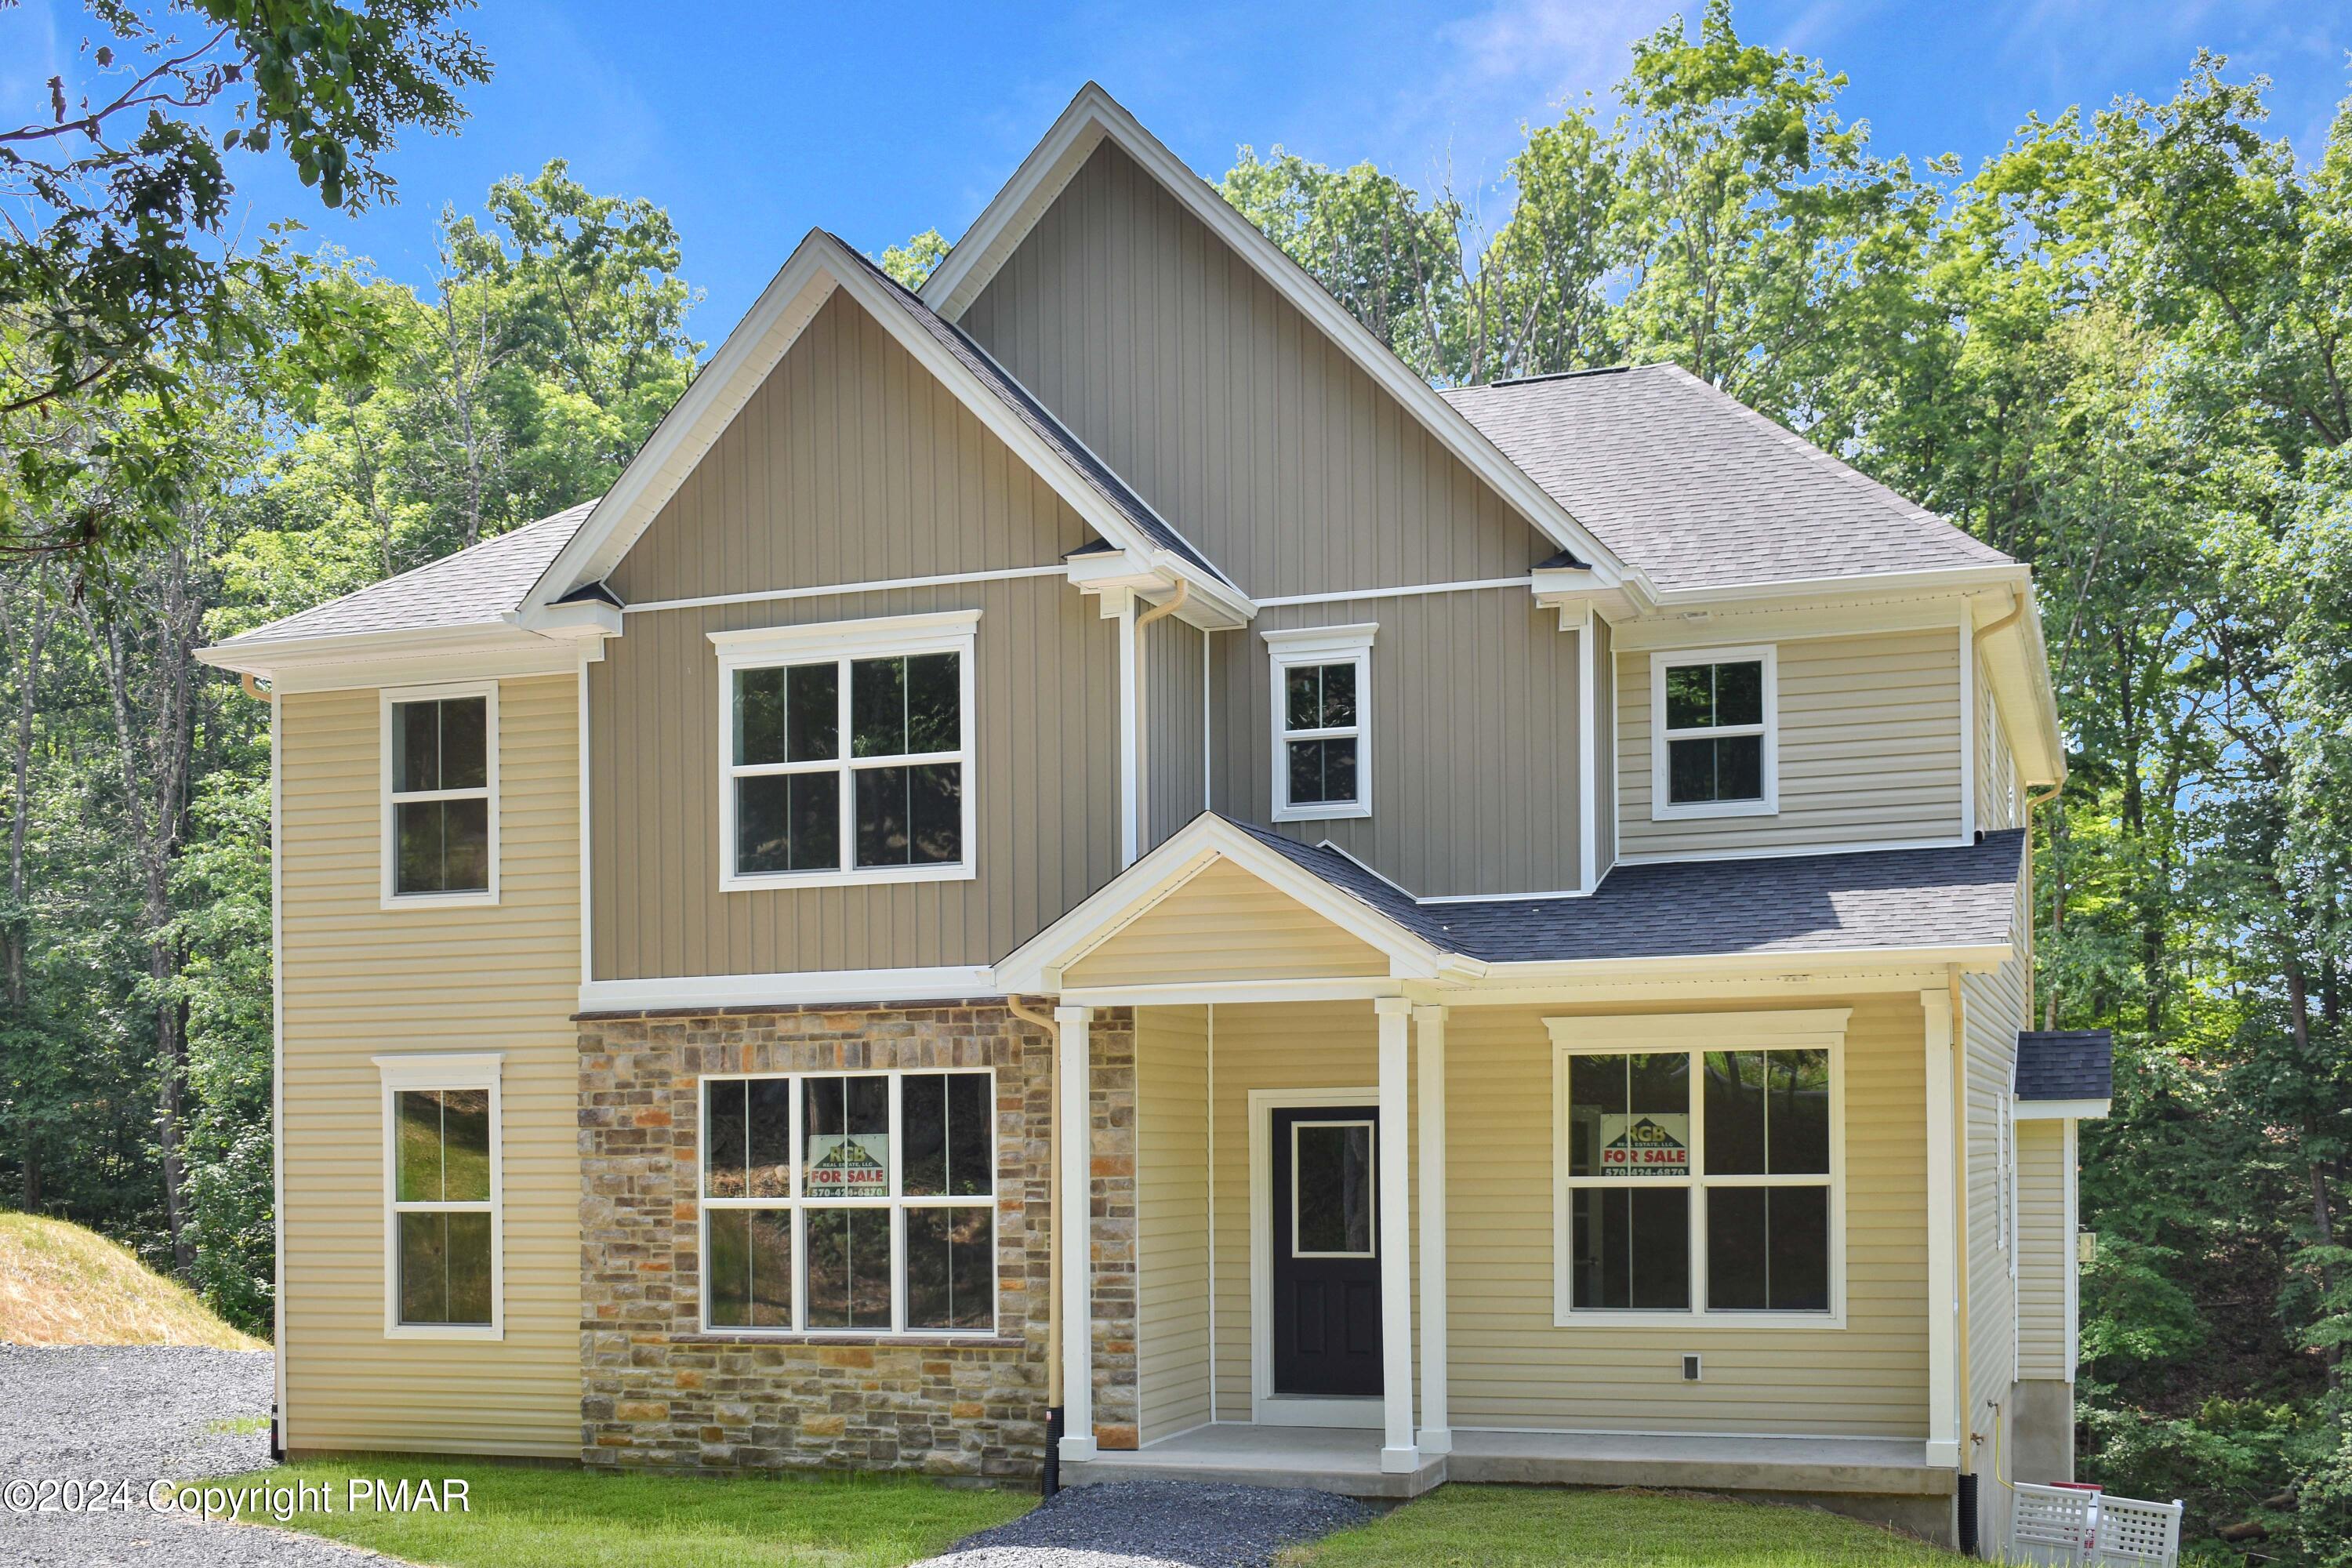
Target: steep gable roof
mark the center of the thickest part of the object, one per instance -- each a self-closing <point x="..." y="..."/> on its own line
<point x="1093" y="116"/>
<point x="821" y="264"/>
<point x="1700" y="491"/>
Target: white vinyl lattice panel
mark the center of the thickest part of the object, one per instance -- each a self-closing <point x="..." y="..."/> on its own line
<point x="2051" y="1524"/>
<point x="2127" y="1531"/>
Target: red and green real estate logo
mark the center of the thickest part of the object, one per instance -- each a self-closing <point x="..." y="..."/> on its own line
<point x="849" y="1165"/>
<point x="1645" y="1145"/>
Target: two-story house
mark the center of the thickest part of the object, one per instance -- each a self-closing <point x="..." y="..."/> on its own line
<point x="1082" y="850"/>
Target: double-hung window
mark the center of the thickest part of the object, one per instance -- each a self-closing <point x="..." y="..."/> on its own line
<point x="1322" y="722"/>
<point x="850" y="1202"/>
<point x="1717" y="733"/>
<point x="845" y="751"/>
<point x="440" y="749"/>
<point x="1699" y="1167"/>
<point x="442" y="1180"/>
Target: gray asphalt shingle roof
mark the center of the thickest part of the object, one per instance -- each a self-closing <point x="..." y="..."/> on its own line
<point x="2066" y="1064"/>
<point x="1039" y="419"/>
<point x="1700" y="491"/>
<point x="473" y="587"/>
<point x="1872" y="899"/>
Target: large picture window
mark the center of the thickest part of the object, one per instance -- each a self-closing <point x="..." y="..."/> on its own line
<point x="440" y="795"/>
<point x="1699" y="1166"/>
<point x="845" y="751"/>
<point x="442" y="1155"/>
<point x="850" y="1202"/>
<point x="1717" y="733"/>
<point x="1322" y="722"/>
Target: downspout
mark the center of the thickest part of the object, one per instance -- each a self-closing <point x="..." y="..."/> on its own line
<point x="1050" y="1481"/>
<point x="1969" y="1524"/>
<point x="1160" y="612"/>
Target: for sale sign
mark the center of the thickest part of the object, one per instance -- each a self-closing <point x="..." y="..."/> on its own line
<point x="1646" y="1144"/>
<point x="849" y="1165"/>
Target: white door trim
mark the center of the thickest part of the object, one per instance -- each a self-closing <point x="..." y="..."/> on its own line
<point x="1266" y="1408"/>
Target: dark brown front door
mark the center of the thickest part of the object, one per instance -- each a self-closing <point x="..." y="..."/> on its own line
<point x="1327" y="1266"/>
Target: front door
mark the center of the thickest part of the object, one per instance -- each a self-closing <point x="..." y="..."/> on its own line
<point x="1326" y="1265"/>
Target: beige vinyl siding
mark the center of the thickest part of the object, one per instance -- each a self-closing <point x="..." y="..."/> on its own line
<point x="1994" y="1007"/>
<point x="1474" y="738"/>
<point x="1869" y="750"/>
<point x="360" y="981"/>
<point x="1513" y="1368"/>
<point x="850" y="463"/>
<point x="2046" y="1256"/>
<point x="1172" y="1208"/>
<point x="2000" y="793"/>
<point x="1173" y="724"/>
<point x="1226" y="925"/>
<point x="1183" y="368"/>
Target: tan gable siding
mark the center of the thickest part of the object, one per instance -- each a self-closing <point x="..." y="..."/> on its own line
<point x="1869" y="750"/>
<point x="1046" y="676"/>
<point x="1226" y="925"/>
<point x="1255" y="436"/>
<point x="851" y="464"/>
<point x="1511" y="1367"/>
<point x="1174" y="727"/>
<point x="1172" y="1209"/>
<point x="361" y="980"/>
<point x="2044" y="1257"/>
<point x="1474" y="740"/>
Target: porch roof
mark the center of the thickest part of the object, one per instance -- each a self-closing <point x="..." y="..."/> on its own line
<point x="1956" y="896"/>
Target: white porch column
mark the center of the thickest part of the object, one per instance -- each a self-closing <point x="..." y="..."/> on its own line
<point x="1398" y="1455"/>
<point x="1072" y="1209"/>
<point x="1428" y="1041"/>
<point x="1943" y="1257"/>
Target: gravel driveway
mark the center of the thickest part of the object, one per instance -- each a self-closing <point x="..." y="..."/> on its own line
<point x="1157" y="1524"/>
<point x="136" y="1414"/>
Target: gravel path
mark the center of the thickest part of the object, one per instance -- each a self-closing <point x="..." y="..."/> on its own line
<point x="1157" y="1524"/>
<point x="137" y="1413"/>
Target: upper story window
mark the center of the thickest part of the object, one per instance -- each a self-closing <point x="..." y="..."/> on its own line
<point x="440" y="748"/>
<point x="1322" y="716"/>
<point x="845" y="751"/>
<point x="850" y="1202"/>
<point x="1700" y="1167"/>
<point x="1717" y="733"/>
<point x="442" y="1242"/>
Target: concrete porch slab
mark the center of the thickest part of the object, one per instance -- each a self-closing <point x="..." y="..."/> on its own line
<point x="1317" y="1458"/>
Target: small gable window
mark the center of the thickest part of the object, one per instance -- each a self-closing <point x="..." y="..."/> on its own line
<point x="845" y="751"/>
<point x="1717" y="733"/>
<point x="1322" y="702"/>
<point x="440" y="797"/>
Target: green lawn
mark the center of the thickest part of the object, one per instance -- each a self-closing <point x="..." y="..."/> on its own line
<point x="1507" y="1527"/>
<point x="529" y="1517"/>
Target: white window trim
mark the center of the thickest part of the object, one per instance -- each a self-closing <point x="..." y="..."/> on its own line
<point x="799" y="1204"/>
<point x="948" y="631"/>
<point x="1819" y="1028"/>
<point x="1664" y="810"/>
<point x="1322" y="645"/>
<point x="389" y="850"/>
<point x="442" y="1069"/>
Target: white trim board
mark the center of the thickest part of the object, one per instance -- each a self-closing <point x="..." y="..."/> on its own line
<point x="843" y="986"/>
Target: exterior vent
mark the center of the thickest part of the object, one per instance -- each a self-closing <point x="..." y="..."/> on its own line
<point x="1690" y="1369"/>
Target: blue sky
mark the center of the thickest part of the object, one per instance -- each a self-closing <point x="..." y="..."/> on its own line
<point x="754" y="122"/>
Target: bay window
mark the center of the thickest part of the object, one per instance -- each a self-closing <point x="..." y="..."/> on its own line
<point x="1700" y="1167"/>
<point x="857" y="1203"/>
<point x="845" y="751"/>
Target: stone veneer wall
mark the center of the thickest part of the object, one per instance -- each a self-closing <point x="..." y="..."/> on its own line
<point x="658" y="1392"/>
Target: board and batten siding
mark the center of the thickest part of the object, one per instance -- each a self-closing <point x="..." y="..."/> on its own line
<point x="361" y="980"/>
<point x="851" y="464"/>
<point x="1473" y="737"/>
<point x="1869" y="750"/>
<point x="1171" y="1207"/>
<point x="1174" y="723"/>
<point x="2045" y="1250"/>
<point x="1181" y="367"/>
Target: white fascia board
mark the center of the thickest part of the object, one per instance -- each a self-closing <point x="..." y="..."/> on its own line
<point x="1152" y="574"/>
<point x="402" y="657"/>
<point x="2017" y="662"/>
<point x="1184" y="854"/>
<point x="1797" y="589"/>
<point x="841" y="986"/>
<point x="2061" y="1109"/>
<point x="1973" y="958"/>
<point x="576" y="619"/>
<point x="1093" y="116"/>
